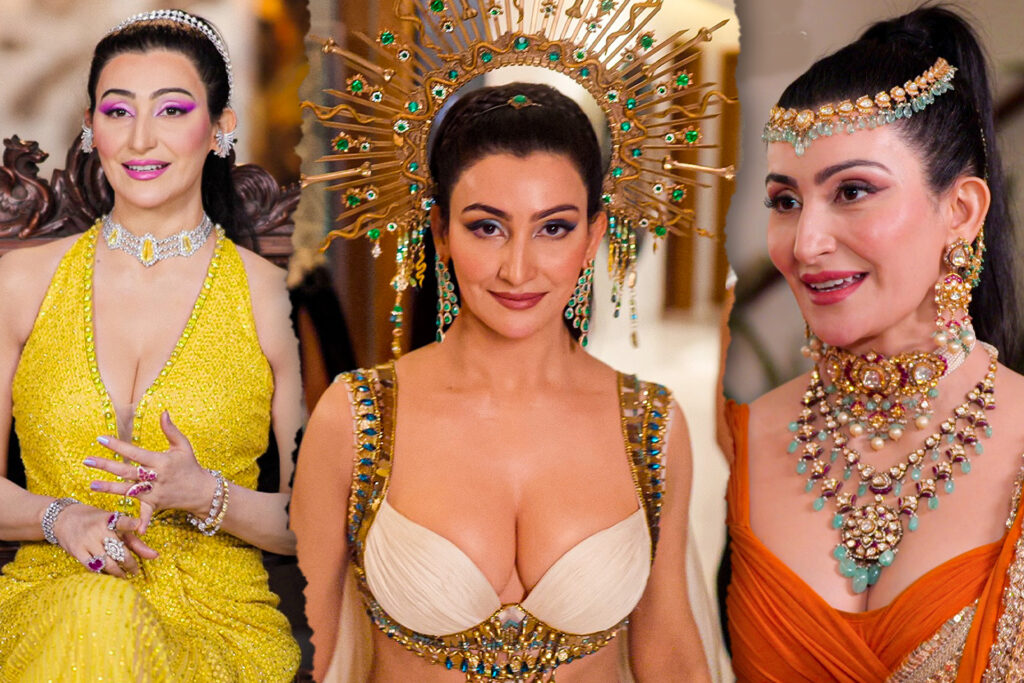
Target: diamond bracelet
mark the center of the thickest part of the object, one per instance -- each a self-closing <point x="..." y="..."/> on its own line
<point x="50" y="517"/>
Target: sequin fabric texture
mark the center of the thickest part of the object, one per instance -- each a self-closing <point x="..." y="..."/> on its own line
<point x="202" y="610"/>
<point x="513" y="644"/>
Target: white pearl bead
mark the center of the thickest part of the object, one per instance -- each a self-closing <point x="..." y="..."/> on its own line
<point x="878" y="443"/>
<point x="843" y="417"/>
<point x="856" y="429"/>
<point x="922" y="421"/>
<point x="941" y="338"/>
<point x="896" y="433"/>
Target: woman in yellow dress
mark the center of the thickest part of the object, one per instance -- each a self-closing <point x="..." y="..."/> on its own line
<point x="140" y="535"/>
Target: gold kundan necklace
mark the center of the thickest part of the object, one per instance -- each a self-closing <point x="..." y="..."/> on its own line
<point x="874" y="396"/>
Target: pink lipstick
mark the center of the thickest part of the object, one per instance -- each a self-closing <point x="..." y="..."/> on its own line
<point x="831" y="286"/>
<point x="144" y="169"/>
<point x="518" y="301"/>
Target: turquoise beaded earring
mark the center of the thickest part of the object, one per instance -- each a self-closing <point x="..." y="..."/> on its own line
<point x="578" y="308"/>
<point x="447" y="301"/>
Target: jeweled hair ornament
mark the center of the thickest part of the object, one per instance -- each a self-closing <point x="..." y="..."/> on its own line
<point x="181" y="17"/>
<point x="800" y="128"/>
<point x="382" y="120"/>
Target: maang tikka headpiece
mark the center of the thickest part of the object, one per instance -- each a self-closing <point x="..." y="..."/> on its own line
<point x="800" y="128"/>
<point x="382" y="121"/>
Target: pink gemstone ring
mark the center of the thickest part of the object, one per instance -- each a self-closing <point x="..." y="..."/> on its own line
<point x="145" y="475"/>
<point x="96" y="563"/>
<point x="138" y="489"/>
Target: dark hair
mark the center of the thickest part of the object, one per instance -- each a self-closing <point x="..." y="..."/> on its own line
<point x="218" y="190"/>
<point x="483" y="122"/>
<point x="955" y="135"/>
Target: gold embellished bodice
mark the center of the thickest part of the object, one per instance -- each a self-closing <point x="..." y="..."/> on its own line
<point x="423" y="592"/>
<point x="217" y="387"/>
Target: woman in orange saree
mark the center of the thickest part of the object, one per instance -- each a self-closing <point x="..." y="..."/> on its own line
<point x="861" y="549"/>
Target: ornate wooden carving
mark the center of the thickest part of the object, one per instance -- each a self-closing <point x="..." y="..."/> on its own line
<point x="34" y="210"/>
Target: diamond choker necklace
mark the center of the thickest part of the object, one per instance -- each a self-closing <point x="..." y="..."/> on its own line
<point x="147" y="249"/>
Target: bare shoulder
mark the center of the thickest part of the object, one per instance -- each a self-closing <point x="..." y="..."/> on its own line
<point x="265" y="278"/>
<point x="25" y="275"/>
<point x="778" y="406"/>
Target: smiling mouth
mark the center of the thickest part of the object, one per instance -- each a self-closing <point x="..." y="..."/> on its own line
<point x="142" y="168"/>
<point x="836" y="284"/>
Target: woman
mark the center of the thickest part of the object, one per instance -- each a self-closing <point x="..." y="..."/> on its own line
<point x="861" y="548"/>
<point x="144" y="363"/>
<point x="515" y="515"/>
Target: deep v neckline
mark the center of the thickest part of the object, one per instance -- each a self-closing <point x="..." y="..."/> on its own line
<point x="138" y="408"/>
<point x="582" y="543"/>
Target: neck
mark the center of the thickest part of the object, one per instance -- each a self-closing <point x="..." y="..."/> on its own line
<point x="162" y="221"/>
<point x="483" y="356"/>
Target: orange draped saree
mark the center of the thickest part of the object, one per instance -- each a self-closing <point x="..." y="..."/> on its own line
<point x="962" y="621"/>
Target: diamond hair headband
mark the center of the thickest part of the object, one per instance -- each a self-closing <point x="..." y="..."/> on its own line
<point x="381" y="121"/>
<point x="181" y="17"/>
<point x="800" y="128"/>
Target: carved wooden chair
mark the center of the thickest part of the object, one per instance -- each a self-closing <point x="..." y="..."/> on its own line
<point x="34" y="211"/>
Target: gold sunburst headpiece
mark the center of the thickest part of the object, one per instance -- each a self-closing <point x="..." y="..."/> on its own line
<point x="382" y="119"/>
<point x="800" y="128"/>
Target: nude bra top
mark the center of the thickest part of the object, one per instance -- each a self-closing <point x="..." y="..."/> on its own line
<point x="425" y="593"/>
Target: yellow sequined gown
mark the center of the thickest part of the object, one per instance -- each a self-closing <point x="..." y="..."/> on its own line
<point x="202" y="610"/>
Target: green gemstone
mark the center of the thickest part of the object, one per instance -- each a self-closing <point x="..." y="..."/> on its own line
<point x="352" y="200"/>
<point x="373" y="233"/>
<point x="692" y="136"/>
<point x="660" y="230"/>
<point x="626" y="125"/>
<point x="950" y="486"/>
<point x="801" y="467"/>
<point x="413" y="107"/>
<point x="683" y="80"/>
<point x="413" y="166"/>
<point x="933" y="503"/>
<point x="437" y="5"/>
<point x="606" y="198"/>
<point x="818" y="504"/>
<point x="452" y="75"/>
<point x="847" y="566"/>
<point x="874" y="573"/>
<point x="678" y="194"/>
<point x="486" y="57"/>
<point x="521" y="43"/>
<point x="837" y="520"/>
<point x="860" y="580"/>
<point x="554" y="56"/>
<point x="585" y="72"/>
<point x="341" y="145"/>
<point x="356" y="86"/>
<point x="839" y="552"/>
<point x="965" y="467"/>
<point x="387" y="37"/>
<point x="520" y="99"/>
<point x="808" y="486"/>
<point x="631" y="103"/>
<point x="913" y="523"/>
<point x="637" y="152"/>
<point x="886" y="558"/>
<point x="580" y="54"/>
<point x="617" y="172"/>
<point x="414" y="188"/>
<point x="612" y="96"/>
<point x="607" y="5"/>
<point x="647" y="42"/>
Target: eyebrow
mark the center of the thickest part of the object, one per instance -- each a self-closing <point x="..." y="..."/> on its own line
<point x="535" y="217"/>
<point x="826" y="173"/>
<point x="156" y="93"/>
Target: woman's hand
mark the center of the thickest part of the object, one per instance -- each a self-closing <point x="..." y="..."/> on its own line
<point x="98" y="539"/>
<point x="167" y="480"/>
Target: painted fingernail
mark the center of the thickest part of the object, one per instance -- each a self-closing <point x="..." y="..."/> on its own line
<point x="103" y="439"/>
<point x="96" y="486"/>
<point x="89" y="462"/>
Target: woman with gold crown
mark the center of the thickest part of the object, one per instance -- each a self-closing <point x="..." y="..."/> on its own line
<point x="530" y="501"/>
<point x="144" y="362"/>
<point x="874" y="503"/>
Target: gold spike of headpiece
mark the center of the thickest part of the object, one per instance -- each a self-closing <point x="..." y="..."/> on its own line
<point x="382" y="117"/>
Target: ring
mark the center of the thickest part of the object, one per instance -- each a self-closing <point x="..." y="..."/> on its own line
<point x="96" y="563"/>
<point x="112" y="520"/>
<point x="115" y="549"/>
<point x="142" y="474"/>
<point x="138" y="489"/>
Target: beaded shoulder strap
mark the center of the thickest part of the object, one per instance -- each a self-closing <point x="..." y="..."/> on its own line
<point x="373" y="405"/>
<point x="645" y="410"/>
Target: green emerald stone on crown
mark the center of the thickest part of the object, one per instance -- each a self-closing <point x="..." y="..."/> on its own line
<point x="692" y="136"/>
<point x="520" y="99"/>
<point x="486" y="57"/>
<point x="437" y="6"/>
<point x="373" y="233"/>
<point x="521" y="43"/>
<point x="683" y="80"/>
<point x="387" y="37"/>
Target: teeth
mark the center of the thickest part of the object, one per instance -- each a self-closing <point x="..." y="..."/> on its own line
<point x="829" y="285"/>
<point x="147" y="167"/>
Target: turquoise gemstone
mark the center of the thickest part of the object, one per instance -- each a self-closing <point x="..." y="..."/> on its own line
<point x="978" y="448"/>
<point x="847" y="566"/>
<point x="935" y="455"/>
<point x="933" y="502"/>
<point x="913" y="523"/>
<point x="819" y="503"/>
<point x="793" y="426"/>
<point x="847" y="473"/>
<point x="839" y="552"/>
<point x="897" y="488"/>
<point x="950" y="438"/>
<point x="809" y="485"/>
<point x="874" y="572"/>
<point x="822" y="435"/>
<point x="950" y="486"/>
<point x="801" y="467"/>
<point x="860" y="581"/>
<point x="988" y="432"/>
<point x="833" y="456"/>
<point x="915" y="474"/>
<point x="837" y="521"/>
<point x="965" y="467"/>
<point x="933" y="393"/>
<point x="886" y="558"/>
<point x="793" y="445"/>
<point x="862" y="489"/>
<point x="871" y="405"/>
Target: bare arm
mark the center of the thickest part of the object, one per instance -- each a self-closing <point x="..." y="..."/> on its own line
<point x="664" y="644"/>
<point x="318" y="516"/>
